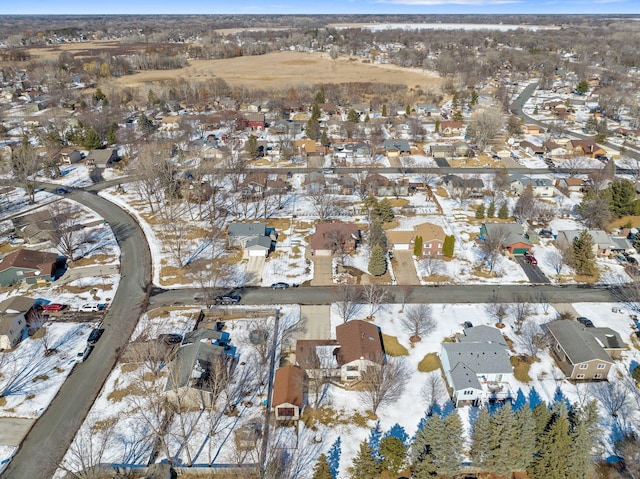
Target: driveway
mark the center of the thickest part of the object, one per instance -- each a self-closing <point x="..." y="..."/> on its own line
<point x="404" y="269"/>
<point x="532" y="271"/>
<point x="14" y="429"/>
<point x="315" y="323"/>
<point x="322" y="271"/>
<point x="253" y="271"/>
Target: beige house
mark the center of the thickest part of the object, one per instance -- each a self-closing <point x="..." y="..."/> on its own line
<point x="584" y="354"/>
<point x="13" y="320"/>
<point x="432" y="239"/>
<point x="360" y="349"/>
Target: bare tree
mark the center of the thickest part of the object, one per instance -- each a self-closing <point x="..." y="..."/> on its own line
<point x="86" y="456"/>
<point x="521" y="311"/>
<point x="25" y="165"/>
<point x="406" y="294"/>
<point x="525" y="205"/>
<point x="418" y="321"/>
<point x="349" y="301"/>
<point x="433" y="390"/>
<point x="531" y="340"/>
<point x="497" y="307"/>
<point x="384" y="384"/>
<point x="375" y="296"/>
<point x="485" y="126"/>
<point x="492" y="245"/>
<point x="65" y="233"/>
<point x="324" y="204"/>
<point x="611" y="395"/>
<point x="432" y="265"/>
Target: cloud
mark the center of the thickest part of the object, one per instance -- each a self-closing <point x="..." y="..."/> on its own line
<point x="415" y="3"/>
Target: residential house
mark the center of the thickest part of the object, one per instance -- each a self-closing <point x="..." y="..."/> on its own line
<point x="14" y="313"/>
<point x="380" y="185"/>
<point x="584" y="353"/>
<point x="531" y="149"/>
<point x="543" y="187"/>
<point x="69" y="156"/>
<point x="331" y="238"/>
<point x="427" y="109"/>
<point x="602" y="243"/>
<point x="255" y="239"/>
<point x="29" y="266"/>
<point x="318" y="357"/>
<point x="432" y="239"/>
<point x="315" y="182"/>
<point x="255" y="121"/>
<point x="102" y="158"/>
<point x="512" y="236"/>
<point x="288" y="393"/>
<point x="572" y="184"/>
<point x="450" y="128"/>
<point x="555" y="150"/>
<point x="202" y="365"/>
<point x="586" y="148"/>
<point x="170" y="123"/>
<point x="621" y="245"/>
<point x="360" y="348"/>
<point x="396" y="148"/>
<point x="461" y="149"/>
<point x="458" y="186"/>
<point x="531" y="129"/>
<point x="477" y="367"/>
<point x="441" y="151"/>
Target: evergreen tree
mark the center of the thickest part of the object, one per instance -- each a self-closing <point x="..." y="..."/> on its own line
<point x="313" y="129"/>
<point x="417" y="246"/>
<point x="384" y="110"/>
<point x="145" y="124"/>
<point x="437" y="447"/>
<point x="553" y="450"/>
<point x="324" y="139"/>
<point x="448" y="246"/>
<point x="333" y="457"/>
<point x="524" y="440"/>
<point x="582" y="87"/>
<point x="398" y="431"/>
<point x="315" y="112"/>
<point x="480" y="439"/>
<point x="352" y="116"/>
<point x="491" y="210"/>
<point x="503" y="212"/>
<point x="377" y="236"/>
<point x="502" y="441"/>
<point x="407" y="110"/>
<point x="520" y="401"/>
<point x="252" y="147"/>
<point x="377" y="261"/>
<point x="374" y="440"/>
<point x="534" y="398"/>
<point x="480" y="211"/>
<point x="437" y="126"/>
<point x="582" y="257"/>
<point x="370" y="204"/>
<point x="384" y="210"/>
<point x="321" y="469"/>
<point x="621" y="195"/>
<point x="393" y="453"/>
<point x="457" y="116"/>
<point x="111" y="133"/>
<point x="364" y="465"/>
<point x="474" y="98"/>
<point x="91" y="140"/>
<point x="319" y="98"/>
<point x="367" y="119"/>
<point x="100" y="96"/>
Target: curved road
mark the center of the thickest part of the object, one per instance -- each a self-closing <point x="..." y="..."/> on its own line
<point x="50" y="437"/>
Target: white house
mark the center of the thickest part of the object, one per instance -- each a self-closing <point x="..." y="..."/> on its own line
<point x="13" y="321"/>
<point x="543" y="187"/>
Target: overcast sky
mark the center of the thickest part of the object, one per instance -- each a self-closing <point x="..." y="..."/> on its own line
<point x="317" y="6"/>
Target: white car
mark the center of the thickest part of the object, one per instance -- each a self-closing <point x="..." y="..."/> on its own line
<point x="90" y="308"/>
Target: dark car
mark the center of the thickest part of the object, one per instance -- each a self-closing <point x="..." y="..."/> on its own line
<point x="170" y="338"/>
<point x="585" y="321"/>
<point x="62" y="191"/>
<point x="95" y="335"/>
<point x="227" y="299"/>
<point x="467" y="324"/>
<point x="280" y="285"/>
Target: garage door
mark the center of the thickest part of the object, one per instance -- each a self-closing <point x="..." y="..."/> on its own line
<point x="256" y="252"/>
<point x="520" y="250"/>
<point x="401" y="247"/>
<point x="322" y="252"/>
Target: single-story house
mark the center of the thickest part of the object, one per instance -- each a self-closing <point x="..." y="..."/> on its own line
<point x="14" y="313"/>
<point x="586" y="148"/>
<point x="202" y="365"/>
<point x="380" y="185"/>
<point x="554" y="149"/>
<point x="528" y="129"/>
<point x="360" y="348"/>
<point x="543" y="187"/>
<point x="602" y="243"/>
<point x="450" y="128"/>
<point x="432" y="239"/>
<point x="459" y="186"/>
<point x="255" y="239"/>
<point x="512" y="235"/>
<point x="396" y="148"/>
<point x="584" y="353"/>
<point x="255" y="121"/>
<point x="572" y="184"/>
<point x="477" y="367"/>
<point x="69" y="156"/>
<point x="441" y="151"/>
<point x="428" y="109"/>
<point x="288" y="393"/>
<point x="331" y="238"/>
<point x="29" y="266"/>
<point x="102" y="158"/>
<point x="531" y="148"/>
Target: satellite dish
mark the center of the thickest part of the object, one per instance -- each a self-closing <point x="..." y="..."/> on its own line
<point x="511" y="141"/>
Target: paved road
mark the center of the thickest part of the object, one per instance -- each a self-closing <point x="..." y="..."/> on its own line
<point x="50" y="437"/>
<point x="305" y="295"/>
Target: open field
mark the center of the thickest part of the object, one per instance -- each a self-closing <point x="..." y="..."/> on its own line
<point x="273" y="70"/>
<point x="287" y="69"/>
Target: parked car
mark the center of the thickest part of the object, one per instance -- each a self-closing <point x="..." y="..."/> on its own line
<point x="546" y="234"/>
<point x="631" y="260"/>
<point x="621" y="259"/>
<point x="82" y="356"/>
<point x="280" y="285"/>
<point x="62" y="191"/>
<point x="170" y="338"/>
<point x="54" y="307"/>
<point x="585" y="321"/>
<point x="531" y="259"/>
<point x="95" y="335"/>
<point x="227" y="299"/>
<point x="91" y="307"/>
<point x="467" y="324"/>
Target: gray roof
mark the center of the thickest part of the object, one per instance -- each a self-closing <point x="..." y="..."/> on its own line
<point x="481" y="358"/>
<point x="464" y="378"/>
<point x="515" y="232"/>
<point x="20" y="304"/>
<point x="621" y="243"/>
<point x="483" y="334"/>
<point x="402" y="145"/>
<point x="609" y="338"/>
<point x="260" y="241"/>
<point x="247" y="229"/>
<point x="534" y="182"/>
<point x="600" y="238"/>
<point x="459" y="182"/>
<point x="577" y="341"/>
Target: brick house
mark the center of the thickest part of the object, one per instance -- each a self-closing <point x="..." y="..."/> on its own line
<point x="330" y="238"/>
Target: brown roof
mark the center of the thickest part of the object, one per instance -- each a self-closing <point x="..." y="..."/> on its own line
<point x="429" y="232"/>
<point x="399" y="237"/>
<point x="359" y="340"/>
<point x="450" y="124"/>
<point x="288" y="386"/>
<point x="321" y="238"/>
<point x="588" y="146"/>
<point x="573" y="181"/>
<point x="29" y="259"/>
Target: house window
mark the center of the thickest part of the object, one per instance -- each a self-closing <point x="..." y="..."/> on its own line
<point x="19" y="273"/>
<point x="580" y="376"/>
<point x="584" y="366"/>
<point x="351" y="378"/>
<point x="597" y="376"/>
<point x="601" y="366"/>
<point x="352" y="368"/>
